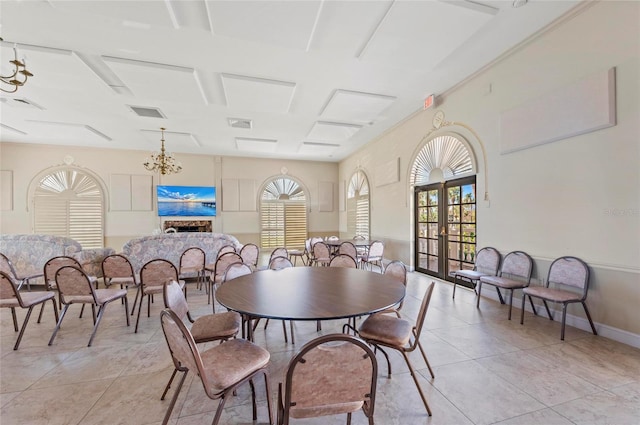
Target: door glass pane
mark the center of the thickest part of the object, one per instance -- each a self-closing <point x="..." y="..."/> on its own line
<point x="422" y="230"/>
<point x="454" y="195"/>
<point x="454" y="231"/>
<point x="433" y="197"/>
<point x="468" y="193"/>
<point x="433" y="263"/>
<point x="422" y="199"/>
<point x="433" y="246"/>
<point x="432" y="214"/>
<point x="433" y="230"/>
<point x="422" y="215"/>
<point x="454" y="214"/>
<point x="469" y="213"/>
<point x="454" y="250"/>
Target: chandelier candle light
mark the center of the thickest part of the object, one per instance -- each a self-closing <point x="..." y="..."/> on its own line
<point x="19" y="75"/>
<point x="162" y="162"/>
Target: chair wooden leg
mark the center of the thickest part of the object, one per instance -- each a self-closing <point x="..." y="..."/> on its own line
<point x="349" y="418"/>
<point x="586" y="310"/>
<point x="15" y="319"/>
<point x="415" y="379"/>
<point x="564" y="317"/>
<point x="284" y="331"/>
<point x="41" y="311"/>
<point x="510" y="303"/>
<point x="499" y="294"/>
<point x="101" y="310"/>
<point x="55" y="331"/>
<point x="424" y="356"/>
<point x="268" y="395"/>
<point x="293" y="338"/>
<point x="166" y="388"/>
<point x="126" y="309"/>
<point x="455" y="283"/>
<point x="216" y="417"/>
<point x="139" y="310"/>
<point x="253" y="400"/>
<point x="133" y="309"/>
<point x="24" y="326"/>
<point x="548" y="311"/>
<point x="479" y="291"/>
<point x="167" y="415"/>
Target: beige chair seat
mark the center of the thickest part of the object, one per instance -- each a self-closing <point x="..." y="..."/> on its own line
<point x="470" y="274"/>
<point x="551" y="294"/>
<point x="157" y="289"/>
<point x="334" y="409"/>
<point x="240" y="359"/>
<point x="388" y="329"/>
<point x="125" y="280"/>
<point x="502" y="282"/>
<point x="28" y="299"/>
<point x="102" y="296"/>
<point x="216" y="326"/>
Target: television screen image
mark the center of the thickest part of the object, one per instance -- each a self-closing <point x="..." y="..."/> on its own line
<point x="186" y="200"/>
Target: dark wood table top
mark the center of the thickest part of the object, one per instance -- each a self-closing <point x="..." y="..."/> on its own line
<point x="310" y="293"/>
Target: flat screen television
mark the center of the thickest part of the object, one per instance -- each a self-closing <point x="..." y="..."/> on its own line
<point x="186" y="200"/>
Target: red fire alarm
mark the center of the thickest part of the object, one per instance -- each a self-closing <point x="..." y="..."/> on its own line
<point x="429" y="101"/>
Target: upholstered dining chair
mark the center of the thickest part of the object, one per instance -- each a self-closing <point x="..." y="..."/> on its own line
<point x="321" y="254"/>
<point x="332" y="374"/>
<point x="312" y="241"/>
<point x="220" y="268"/>
<point x="7" y="267"/>
<point x="567" y="282"/>
<point x="487" y="264"/>
<point x="75" y="287"/>
<point x="398" y="271"/>
<point x="383" y="330"/>
<point x="11" y="297"/>
<point x="225" y="249"/>
<point x="210" y="327"/>
<point x="348" y="248"/>
<point x="233" y="271"/>
<point x="343" y="260"/>
<point x="279" y="263"/>
<point x="279" y="252"/>
<point x="192" y="263"/>
<point x="54" y="264"/>
<point x="221" y="369"/>
<point x="153" y="275"/>
<point x="117" y="270"/>
<point x="515" y="273"/>
<point x="250" y="253"/>
<point x="373" y="256"/>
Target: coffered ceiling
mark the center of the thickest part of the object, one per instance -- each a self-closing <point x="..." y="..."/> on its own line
<point x="311" y="80"/>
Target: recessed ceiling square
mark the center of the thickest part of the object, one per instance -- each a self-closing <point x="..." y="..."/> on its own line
<point x="257" y="94"/>
<point x="79" y="133"/>
<point x="317" y="148"/>
<point x="332" y="131"/>
<point x="346" y="105"/>
<point x="256" y="145"/>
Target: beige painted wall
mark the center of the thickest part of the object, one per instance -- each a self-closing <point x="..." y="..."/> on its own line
<point x="26" y="161"/>
<point x="578" y="196"/>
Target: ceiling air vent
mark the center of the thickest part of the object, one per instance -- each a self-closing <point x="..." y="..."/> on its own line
<point x="147" y="112"/>
<point x="240" y="123"/>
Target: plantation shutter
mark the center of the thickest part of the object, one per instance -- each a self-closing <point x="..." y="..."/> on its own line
<point x="272" y="224"/>
<point x="283" y="214"/>
<point x="358" y="205"/>
<point x="295" y="225"/>
<point x="70" y="203"/>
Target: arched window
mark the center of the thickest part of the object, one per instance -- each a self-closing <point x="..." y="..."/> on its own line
<point x="69" y="202"/>
<point x="283" y="214"/>
<point x="442" y="158"/>
<point x="358" y="205"/>
<point x="444" y="183"/>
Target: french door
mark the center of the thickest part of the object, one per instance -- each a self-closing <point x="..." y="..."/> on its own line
<point x="445" y="232"/>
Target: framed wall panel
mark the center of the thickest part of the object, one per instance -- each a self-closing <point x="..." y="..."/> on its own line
<point x="325" y="196"/>
<point x="230" y="195"/>
<point x="6" y="190"/>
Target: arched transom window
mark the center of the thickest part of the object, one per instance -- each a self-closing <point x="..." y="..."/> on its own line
<point x="69" y="202"/>
<point x="442" y="158"/>
<point x="283" y="214"/>
<point x="358" y="205"/>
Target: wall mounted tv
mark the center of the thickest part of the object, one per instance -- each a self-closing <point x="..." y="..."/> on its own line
<point x="186" y="200"/>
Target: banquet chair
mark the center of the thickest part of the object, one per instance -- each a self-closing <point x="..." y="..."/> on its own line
<point x="397" y="270"/>
<point x="250" y="253"/>
<point x="221" y="369"/>
<point x="295" y="253"/>
<point x="225" y="249"/>
<point x="312" y="241"/>
<point x="153" y="275"/>
<point x="210" y="327"/>
<point x="343" y="260"/>
<point x="383" y="330"/>
<point x="11" y="297"/>
<point x="233" y="271"/>
<point x="192" y="262"/>
<point x="117" y="270"/>
<point x="220" y="268"/>
<point x="350" y="249"/>
<point x="515" y="273"/>
<point x="278" y="252"/>
<point x="487" y="264"/>
<point x="52" y="266"/>
<point x="332" y="374"/>
<point x="7" y="267"/>
<point x="373" y="256"/>
<point x="75" y="287"/>
<point x="279" y="263"/>
<point x="567" y="274"/>
<point x="321" y="254"/>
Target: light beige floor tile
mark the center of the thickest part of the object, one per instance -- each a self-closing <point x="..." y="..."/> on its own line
<point x="546" y="382"/>
<point x="20" y="370"/>
<point x="473" y="341"/>
<point x="65" y="404"/>
<point x="603" y="408"/>
<point x="540" y="417"/>
<point x="480" y="395"/>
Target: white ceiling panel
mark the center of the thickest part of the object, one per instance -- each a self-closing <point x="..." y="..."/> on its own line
<point x="332" y="131"/>
<point x="4" y="128"/>
<point x="189" y="14"/>
<point x="279" y="23"/>
<point x="175" y="139"/>
<point x="346" y="105"/>
<point x="248" y="144"/>
<point x="65" y="130"/>
<point x="158" y="81"/>
<point x="257" y="94"/>
<point x="420" y="34"/>
<point x="133" y="14"/>
<point x="320" y="149"/>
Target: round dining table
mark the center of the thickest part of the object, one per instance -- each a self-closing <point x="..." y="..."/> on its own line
<point x="310" y="293"/>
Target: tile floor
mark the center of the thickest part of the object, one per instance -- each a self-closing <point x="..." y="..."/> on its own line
<point x="488" y="370"/>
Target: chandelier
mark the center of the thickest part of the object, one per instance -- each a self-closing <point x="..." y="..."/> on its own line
<point x="19" y="75"/>
<point x="162" y="162"/>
